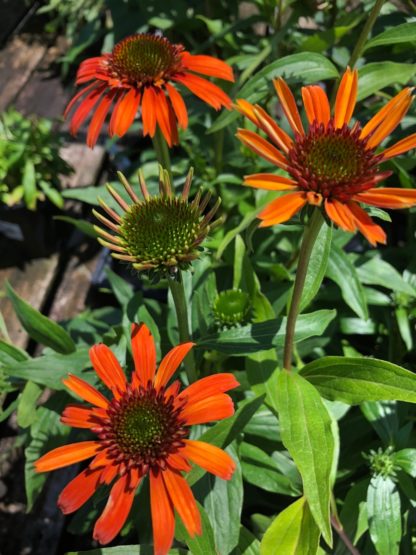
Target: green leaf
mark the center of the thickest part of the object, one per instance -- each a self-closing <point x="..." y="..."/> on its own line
<point x="342" y="271"/>
<point x="122" y="290"/>
<point x="307" y="67"/>
<point x="223" y="501"/>
<point x="38" y="326"/>
<point x="264" y="335"/>
<point x="406" y="32"/>
<point x="262" y="369"/>
<point x="264" y="472"/>
<point x="317" y="266"/>
<point x="12" y="352"/>
<point x="125" y="550"/>
<point x="52" y="194"/>
<point x="376" y="76"/>
<point x="50" y="368"/>
<point x="29" y="184"/>
<point x="248" y="544"/>
<point x="384" y="517"/>
<point x="406" y="459"/>
<point x="223" y="433"/>
<point x="292" y="532"/>
<point x="85" y="227"/>
<point x="199" y="544"/>
<point x="26" y="410"/>
<point x="379" y="272"/>
<point x="306" y="433"/>
<point x="355" y="380"/>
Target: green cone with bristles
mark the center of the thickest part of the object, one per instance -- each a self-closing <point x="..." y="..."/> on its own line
<point x="160" y="233"/>
<point x="232" y="308"/>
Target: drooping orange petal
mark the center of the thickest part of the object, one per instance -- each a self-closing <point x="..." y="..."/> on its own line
<point x="79" y="416"/>
<point x="163" y="518"/>
<point x="183" y="500"/>
<point x="262" y="147"/>
<point x="207" y="65"/>
<point x="211" y="385"/>
<point x="101" y="459"/>
<point x="85" y="108"/>
<point x="86" y="391"/>
<point x="269" y="181"/>
<point x="316" y="104"/>
<point x="211" y="458"/>
<point x="125" y="113"/>
<point x="179" y="106"/>
<point x="270" y="127"/>
<point x="339" y="214"/>
<point x="170" y="363"/>
<point x="166" y="119"/>
<point x="247" y="110"/>
<point x="66" y="455"/>
<point x="400" y="147"/>
<point x="289" y="105"/>
<point x="116" y="510"/>
<point x="79" y="490"/>
<point x="388" y="197"/>
<point x="282" y="209"/>
<point x="384" y="112"/>
<point x="98" y="118"/>
<point x="215" y="407"/>
<point x="390" y="122"/>
<point x="177" y="462"/>
<point x="346" y="98"/>
<point x="206" y="91"/>
<point x="78" y="96"/>
<point x="108" y="368"/>
<point x="371" y="231"/>
<point x="144" y="353"/>
<point x="149" y="108"/>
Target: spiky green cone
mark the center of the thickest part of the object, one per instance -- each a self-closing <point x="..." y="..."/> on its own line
<point x="159" y="233"/>
<point x="232" y="308"/>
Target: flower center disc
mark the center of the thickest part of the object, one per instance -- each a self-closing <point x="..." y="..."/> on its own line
<point x="145" y="58"/>
<point x="160" y="230"/>
<point x="333" y="162"/>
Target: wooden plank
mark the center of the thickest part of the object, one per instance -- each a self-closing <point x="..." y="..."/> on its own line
<point x="33" y="284"/>
<point x="86" y="162"/>
<point x="17" y="61"/>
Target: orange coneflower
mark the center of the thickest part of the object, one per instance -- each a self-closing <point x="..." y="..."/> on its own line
<point x="330" y="164"/>
<point x="139" y="72"/>
<point x="142" y="430"/>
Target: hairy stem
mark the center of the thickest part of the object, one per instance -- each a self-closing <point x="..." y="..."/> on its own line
<point x="178" y="293"/>
<point x="337" y="526"/>
<point x="308" y="241"/>
<point x="362" y="39"/>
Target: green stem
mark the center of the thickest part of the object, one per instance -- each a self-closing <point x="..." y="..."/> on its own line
<point x="308" y="241"/>
<point x="219" y="147"/>
<point x="178" y="293"/>
<point x="162" y="151"/>
<point x="362" y="39"/>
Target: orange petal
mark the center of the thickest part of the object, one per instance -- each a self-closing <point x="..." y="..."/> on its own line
<point x="79" y="416"/>
<point x="98" y="118"/>
<point x="270" y="127"/>
<point x="206" y="91"/>
<point x="384" y="112"/>
<point x="247" y="110"/>
<point x="269" y="181"/>
<point x="207" y="65"/>
<point x="86" y="391"/>
<point x="262" y="147"/>
<point x="179" y="106"/>
<point x="108" y="368"/>
<point x="400" y="147"/>
<point x="289" y="105"/>
<point x="211" y="385"/>
<point x="66" y="455"/>
<point x="166" y="119"/>
<point x="78" y="96"/>
<point x="144" y="353"/>
<point x="346" y="98"/>
<point x="339" y="213"/>
<point x="85" y="108"/>
<point x="177" y="462"/>
<point x="282" y="209"/>
<point x="101" y="459"/>
<point x="79" y="490"/>
<point x="170" y="363"/>
<point x="126" y="112"/>
<point x="163" y="518"/>
<point x="390" y="122"/>
<point x="371" y="231"/>
<point x="116" y="510"/>
<point x="388" y="197"/>
<point x="149" y="108"/>
<point x="316" y="104"/>
<point x="183" y="500"/>
<point x="215" y="407"/>
<point x="211" y="458"/>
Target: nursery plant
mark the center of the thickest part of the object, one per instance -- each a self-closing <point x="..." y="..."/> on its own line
<point x="263" y="400"/>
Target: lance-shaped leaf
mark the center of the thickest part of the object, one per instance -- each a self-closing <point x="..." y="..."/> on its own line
<point x="384" y="518"/>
